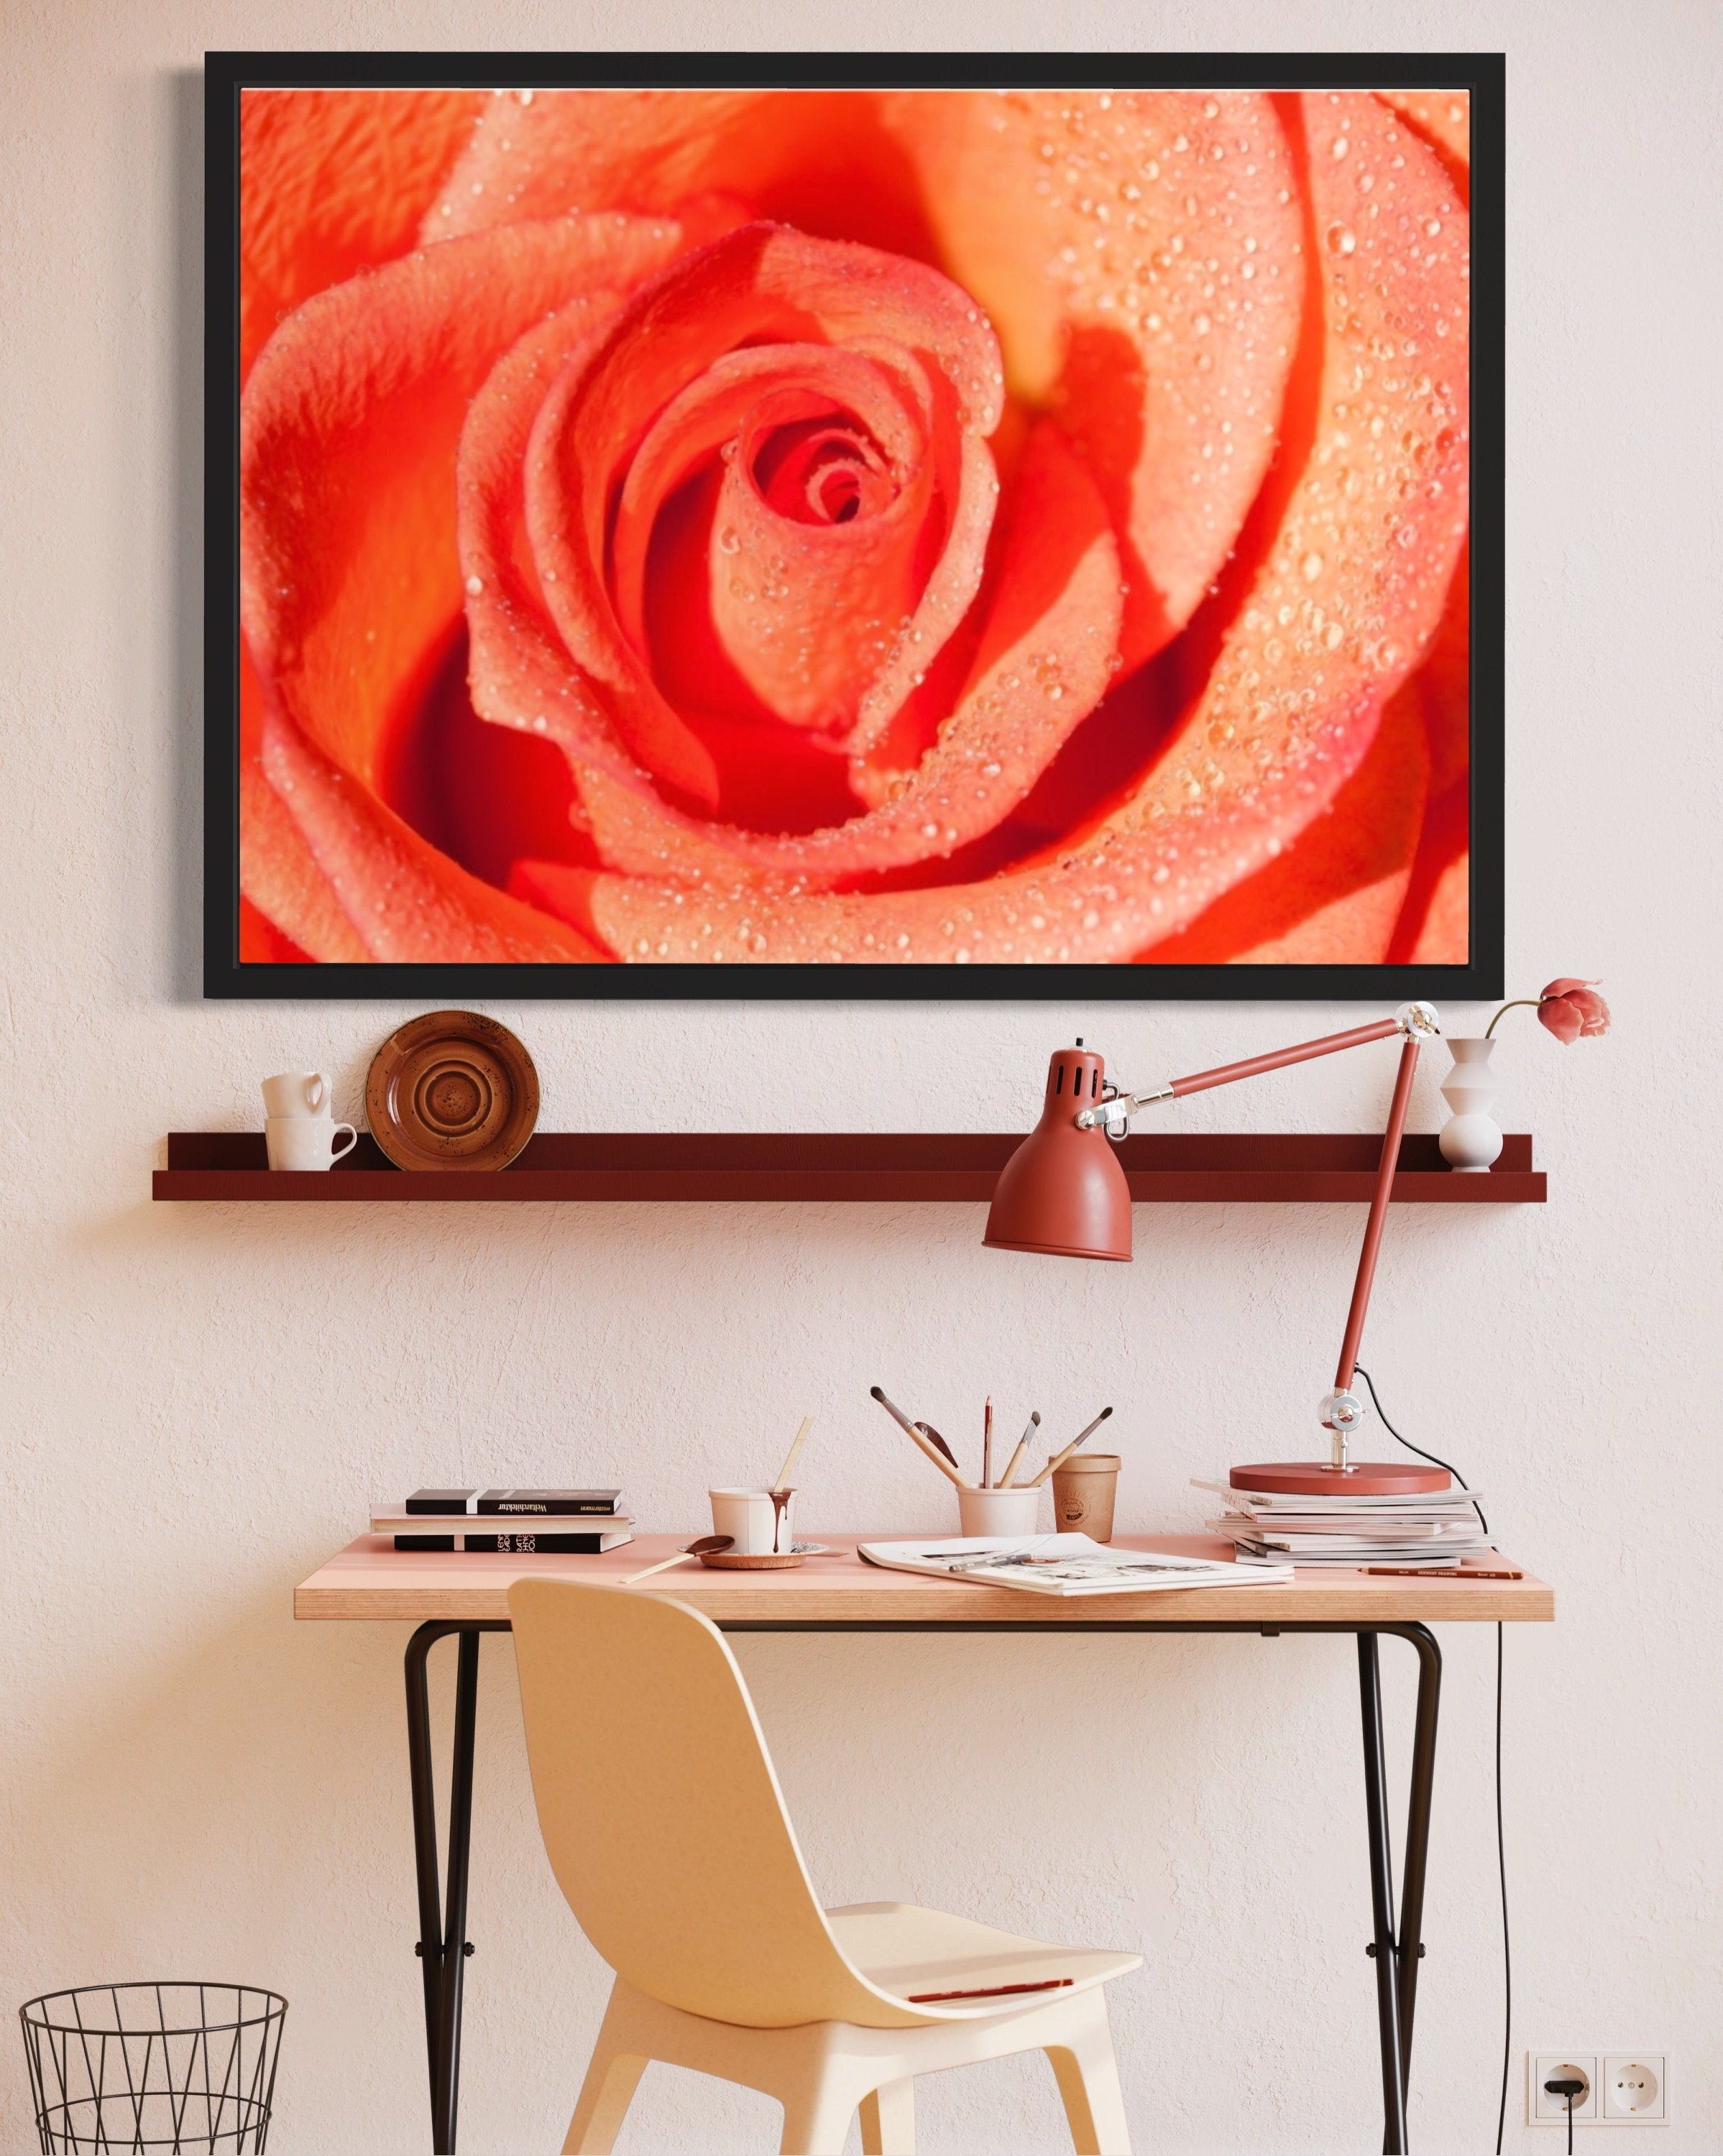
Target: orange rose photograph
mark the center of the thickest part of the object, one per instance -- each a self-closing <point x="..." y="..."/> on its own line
<point x="958" y="522"/>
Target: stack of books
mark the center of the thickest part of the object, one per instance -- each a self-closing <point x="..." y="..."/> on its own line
<point x="507" y="1522"/>
<point x="1434" y="1528"/>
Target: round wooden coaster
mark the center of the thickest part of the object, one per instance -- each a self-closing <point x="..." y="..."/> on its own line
<point x="779" y="1561"/>
<point x="453" y="1089"/>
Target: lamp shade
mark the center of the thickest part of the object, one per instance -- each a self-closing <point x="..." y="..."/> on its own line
<point x="1063" y="1192"/>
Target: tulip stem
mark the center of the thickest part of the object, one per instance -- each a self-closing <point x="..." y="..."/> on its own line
<point x="1522" y="1003"/>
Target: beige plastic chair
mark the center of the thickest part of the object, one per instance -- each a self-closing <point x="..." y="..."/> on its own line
<point x="668" y="1832"/>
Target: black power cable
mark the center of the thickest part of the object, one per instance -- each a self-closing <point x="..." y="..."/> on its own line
<point x="1501" y="1846"/>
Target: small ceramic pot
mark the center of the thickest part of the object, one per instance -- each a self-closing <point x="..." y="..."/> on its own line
<point x="1471" y="1138"/>
<point x="998" y="1511"/>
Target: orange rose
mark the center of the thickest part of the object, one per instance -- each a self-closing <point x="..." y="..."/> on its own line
<point x="899" y="528"/>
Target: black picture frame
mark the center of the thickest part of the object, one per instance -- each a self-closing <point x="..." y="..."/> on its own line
<point x="228" y="73"/>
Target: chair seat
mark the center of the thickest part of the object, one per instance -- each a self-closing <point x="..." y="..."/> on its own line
<point x="908" y="1951"/>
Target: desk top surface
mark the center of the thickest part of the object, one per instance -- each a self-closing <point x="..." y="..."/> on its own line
<point x="369" y="1581"/>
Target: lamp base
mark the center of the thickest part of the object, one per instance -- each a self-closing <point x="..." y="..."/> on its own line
<point x="1315" y="1478"/>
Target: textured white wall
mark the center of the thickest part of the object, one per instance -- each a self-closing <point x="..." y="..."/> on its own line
<point x="197" y="1403"/>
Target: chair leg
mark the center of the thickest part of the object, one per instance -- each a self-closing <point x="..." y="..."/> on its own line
<point x="817" y="2111"/>
<point x="1088" y="2074"/>
<point x="888" y="2120"/>
<point x="605" y="2095"/>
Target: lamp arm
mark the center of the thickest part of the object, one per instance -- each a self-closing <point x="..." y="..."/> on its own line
<point x="1342" y="1412"/>
<point x="1416" y="1021"/>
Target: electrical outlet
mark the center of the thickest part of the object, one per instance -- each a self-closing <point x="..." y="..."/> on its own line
<point x="1543" y="2109"/>
<point x="1621" y="2088"/>
<point x="1634" y="2088"/>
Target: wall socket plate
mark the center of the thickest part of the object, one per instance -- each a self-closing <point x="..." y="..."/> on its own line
<point x="1623" y="2088"/>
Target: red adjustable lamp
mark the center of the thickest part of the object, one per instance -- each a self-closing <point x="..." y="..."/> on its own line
<point x="1064" y="1193"/>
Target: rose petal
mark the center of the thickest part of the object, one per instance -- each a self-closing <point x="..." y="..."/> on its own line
<point x="1565" y="987"/>
<point x="1441" y="117"/>
<point x="1143" y="261"/>
<point x="519" y="673"/>
<point x="815" y="159"/>
<point x="760" y="285"/>
<point x="349" y="426"/>
<point x="1363" y="844"/>
<point x="330" y="182"/>
<point x="1561" y="1019"/>
<point x="405" y="902"/>
<point x="804" y="611"/>
<point x="1045" y="659"/>
<point x="280" y="875"/>
<point x="1594" y="1011"/>
<point x="1354" y="931"/>
<point x="1360" y="564"/>
<point x="1444" y="933"/>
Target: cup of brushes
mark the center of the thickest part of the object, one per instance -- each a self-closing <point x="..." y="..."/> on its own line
<point x="1002" y="1505"/>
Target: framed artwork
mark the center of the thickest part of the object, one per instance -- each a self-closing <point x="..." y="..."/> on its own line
<point x="854" y="524"/>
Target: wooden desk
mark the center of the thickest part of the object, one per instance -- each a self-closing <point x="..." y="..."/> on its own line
<point x="368" y="1582"/>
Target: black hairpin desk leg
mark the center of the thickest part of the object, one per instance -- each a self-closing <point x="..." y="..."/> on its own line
<point x="1397" y="1953"/>
<point x="443" y="1945"/>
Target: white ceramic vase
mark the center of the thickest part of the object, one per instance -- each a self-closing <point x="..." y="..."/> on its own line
<point x="1471" y="1137"/>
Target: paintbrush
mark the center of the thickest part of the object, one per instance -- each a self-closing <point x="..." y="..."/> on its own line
<point x="916" y="1438"/>
<point x="1016" y="1459"/>
<point x="934" y="1437"/>
<point x="1059" y="1459"/>
<point x="987" y="1444"/>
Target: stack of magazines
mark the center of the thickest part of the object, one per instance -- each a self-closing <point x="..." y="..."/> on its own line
<point x="1059" y="1564"/>
<point x="507" y="1522"/>
<point x="1432" y="1528"/>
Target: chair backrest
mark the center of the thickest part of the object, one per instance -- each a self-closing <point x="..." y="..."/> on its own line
<point x="662" y="1817"/>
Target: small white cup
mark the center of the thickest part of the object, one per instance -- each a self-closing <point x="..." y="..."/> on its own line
<point x="296" y="1093"/>
<point x="301" y="1143"/>
<point x="998" y="1511"/>
<point x="747" y="1517"/>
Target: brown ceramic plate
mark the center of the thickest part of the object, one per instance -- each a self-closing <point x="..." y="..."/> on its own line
<point x="451" y="1089"/>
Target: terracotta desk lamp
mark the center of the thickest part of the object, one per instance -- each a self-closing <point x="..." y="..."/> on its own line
<point x="1064" y="1193"/>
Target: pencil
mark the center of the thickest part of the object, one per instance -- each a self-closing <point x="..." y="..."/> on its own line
<point x="987" y="1444"/>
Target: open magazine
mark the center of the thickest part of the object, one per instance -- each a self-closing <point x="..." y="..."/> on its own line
<point x="1064" y="1564"/>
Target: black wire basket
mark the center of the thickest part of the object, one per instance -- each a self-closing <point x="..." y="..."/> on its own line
<point x="147" y="2066"/>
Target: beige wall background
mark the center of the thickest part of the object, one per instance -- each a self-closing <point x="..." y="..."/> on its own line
<point x="198" y="1404"/>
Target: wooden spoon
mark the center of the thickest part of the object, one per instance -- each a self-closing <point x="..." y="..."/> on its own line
<point x="707" y="1545"/>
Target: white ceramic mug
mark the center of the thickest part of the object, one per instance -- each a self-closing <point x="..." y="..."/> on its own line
<point x="296" y="1093"/>
<point x="301" y="1143"/>
<point x="748" y="1517"/>
<point x="998" y="1511"/>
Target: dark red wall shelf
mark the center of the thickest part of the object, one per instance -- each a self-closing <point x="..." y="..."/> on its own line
<point x="871" y="1168"/>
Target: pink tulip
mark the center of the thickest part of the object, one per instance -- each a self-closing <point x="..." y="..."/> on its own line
<point x="1573" y="1010"/>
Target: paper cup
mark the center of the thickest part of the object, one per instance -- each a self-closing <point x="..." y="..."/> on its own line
<point x="998" y="1511"/>
<point x="1084" y="1490"/>
<point x="748" y="1517"/>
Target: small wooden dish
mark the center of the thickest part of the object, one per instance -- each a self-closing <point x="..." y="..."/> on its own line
<point x="772" y="1561"/>
<point x="451" y="1089"/>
